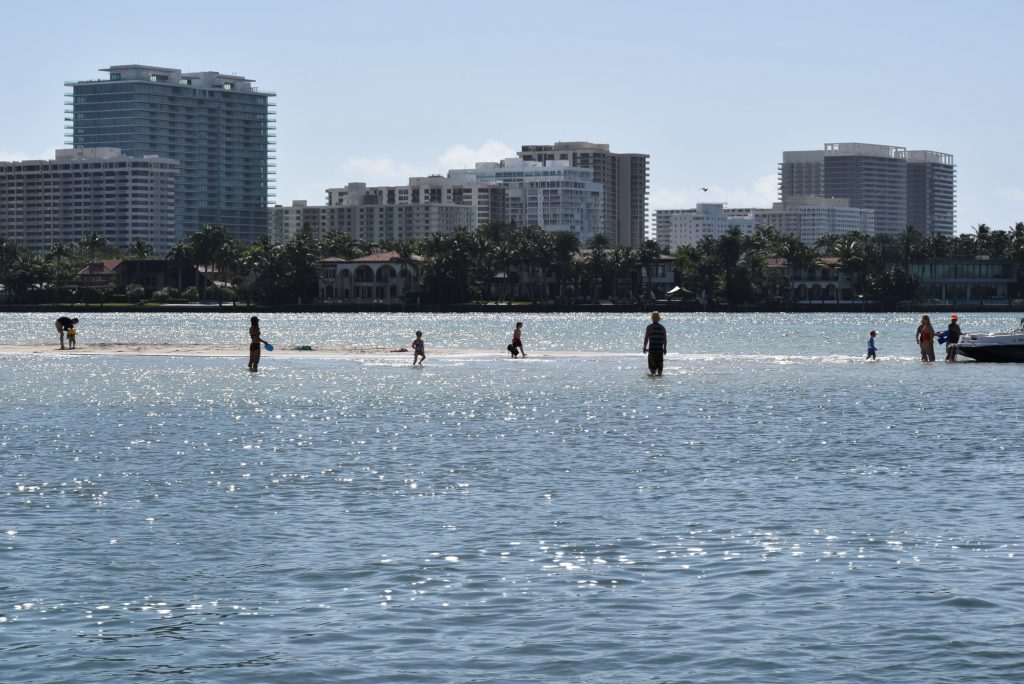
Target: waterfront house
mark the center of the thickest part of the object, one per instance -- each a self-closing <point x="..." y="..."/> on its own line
<point x="377" y="278"/>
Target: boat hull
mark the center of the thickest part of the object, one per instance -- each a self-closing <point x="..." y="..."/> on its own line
<point x="993" y="351"/>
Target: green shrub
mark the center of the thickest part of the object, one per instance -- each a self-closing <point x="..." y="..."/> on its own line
<point x="134" y="293"/>
<point x="164" y="294"/>
<point x="220" y="293"/>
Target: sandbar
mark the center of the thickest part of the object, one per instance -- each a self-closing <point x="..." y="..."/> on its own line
<point x="242" y="351"/>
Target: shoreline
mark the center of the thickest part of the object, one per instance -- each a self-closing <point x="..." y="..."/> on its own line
<point x="242" y="351"/>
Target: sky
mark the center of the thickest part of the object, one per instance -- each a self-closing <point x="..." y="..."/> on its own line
<point x="712" y="91"/>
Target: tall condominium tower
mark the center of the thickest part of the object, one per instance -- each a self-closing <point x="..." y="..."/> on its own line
<point x="871" y="177"/>
<point x="931" y="192"/>
<point x="802" y="174"/>
<point x="623" y="176"/>
<point x="916" y="188"/>
<point x="218" y="127"/>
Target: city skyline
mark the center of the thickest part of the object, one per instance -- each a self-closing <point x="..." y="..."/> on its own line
<point x="713" y="95"/>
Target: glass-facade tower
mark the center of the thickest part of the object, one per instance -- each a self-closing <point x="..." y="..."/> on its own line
<point x="218" y="127"/>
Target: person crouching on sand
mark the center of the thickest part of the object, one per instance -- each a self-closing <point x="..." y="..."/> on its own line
<point x="63" y="324"/>
<point x="254" y="344"/>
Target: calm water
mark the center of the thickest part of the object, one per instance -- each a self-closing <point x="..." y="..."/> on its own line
<point x="772" y="510"/>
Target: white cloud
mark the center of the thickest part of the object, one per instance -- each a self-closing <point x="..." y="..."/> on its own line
<point x="760" y="193"/>
<point x="463" y="157"/>
<point x="384" y="169"/>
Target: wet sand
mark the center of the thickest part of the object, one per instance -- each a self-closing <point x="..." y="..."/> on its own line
<point x="242" y="351"/>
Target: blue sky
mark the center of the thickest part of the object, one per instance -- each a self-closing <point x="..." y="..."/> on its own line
<point x="714" y="92"/>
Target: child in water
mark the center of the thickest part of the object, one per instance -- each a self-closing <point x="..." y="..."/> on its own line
<point x="871" y="346"/>
<point x="72" y="333"/>
<point x="417" y="348"/>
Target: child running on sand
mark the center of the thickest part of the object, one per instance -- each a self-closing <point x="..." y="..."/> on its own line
<point x="871" y="346"/>
<point x="417" y="348"/>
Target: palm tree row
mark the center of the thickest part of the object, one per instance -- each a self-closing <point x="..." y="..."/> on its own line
<point x="505" y="261"/>
<point x="735" y="268"/>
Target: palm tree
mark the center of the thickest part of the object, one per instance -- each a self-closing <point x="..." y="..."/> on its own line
<point x="597" y="262"/>
<point x="650" y="251"/>
<point x="59" y="252"/>
<point x="341" y="245"/>
<point x="565" y="247"/>
<point x="625" y="263"/>
<point x="140" y="249"/>
<point x="180" y="255"/>
<point x="92" y="243"/>
<point x="406" y="258"/>
<point x="208" y="248"/>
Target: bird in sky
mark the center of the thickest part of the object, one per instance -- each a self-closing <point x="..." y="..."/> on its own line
<point x="704" y="189"/>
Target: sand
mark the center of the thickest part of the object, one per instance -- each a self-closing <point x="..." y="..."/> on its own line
<point x="242" y="351"/>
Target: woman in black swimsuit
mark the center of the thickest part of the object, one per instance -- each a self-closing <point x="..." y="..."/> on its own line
<point x="254" y="344"/>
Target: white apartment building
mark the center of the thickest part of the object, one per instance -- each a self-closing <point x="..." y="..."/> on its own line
<point x="624" y="179"/>
<point x="811" y="218"/>
<point x="457" y="188"/>
<point x="676" y="228"/>
<point x="360" y="213"/>
<point x="286" y="222"/>
<point x="85" y="191"/>
<point x="551" y="194"/>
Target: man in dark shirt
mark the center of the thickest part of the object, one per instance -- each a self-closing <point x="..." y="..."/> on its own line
<point x="952" y="337"/>
<point x="64" y="323"/>
<point x="655" y="344"/>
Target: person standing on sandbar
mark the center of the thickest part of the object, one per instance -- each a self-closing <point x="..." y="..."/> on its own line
<point x="254" y="344"/>
<point x="655" y="344"/>
<point x="517" y="339"/>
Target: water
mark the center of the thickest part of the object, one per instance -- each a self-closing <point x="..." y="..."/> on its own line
<point x="773" y="509"/>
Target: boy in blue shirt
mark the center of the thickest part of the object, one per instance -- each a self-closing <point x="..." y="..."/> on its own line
<point x="871" y="346"/>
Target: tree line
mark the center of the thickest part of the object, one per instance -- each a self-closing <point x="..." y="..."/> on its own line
<point x="734" y="270"/>
<point x="505" y="261"/>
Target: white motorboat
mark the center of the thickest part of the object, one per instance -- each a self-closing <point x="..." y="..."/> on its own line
<point x="1004" y="347"/>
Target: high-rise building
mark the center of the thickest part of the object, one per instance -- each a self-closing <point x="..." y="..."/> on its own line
<point x="916" y="188"/>
<point x="931" y="192"/>
<point x="219" y="127"/>
<point x="802" y="174"/>
<point x="624" y="178"/>
<point x="81" y="192"/>
<point x="551" y="194"/>
<point x="871" y="177"/>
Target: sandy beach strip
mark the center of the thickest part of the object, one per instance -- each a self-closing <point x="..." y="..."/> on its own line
<point x="242" y="351"/>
